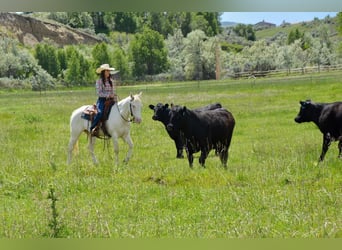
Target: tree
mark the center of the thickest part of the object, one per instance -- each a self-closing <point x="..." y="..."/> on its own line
<point x="99" y="23"/>
<point x="234" y="63"/>
<point x="100" y="54"/>
<point x="245" y="31"/>
<point x="213" y="23"/>
<point x="320" y="53"/>
<point x="301" y="55"/>
<point x="294" y="35"/>
<point x="125" y="22"/>
<point x="285" y="58"/>
<point x="175" y="46"/>
<point x="162" y="22"/>
<point x="61" y="17"/>
<point x="148" y="53"/>
<point x="186" y="24"/>
<point x="80" y="20"/>
<point x="339" y="29"/>
<point x="262" y="57"/>
<point x="79" y="70"/>
<point x="46" y="55"/>
<point x="193" y="55"/>
<point x="73" y="72"/>
<point x="41" y="80"/>
<point x="210" y="57"/>
<point x="339" y="23"/>
<point x="120" y="62"/>
<point x="62" y="59"/>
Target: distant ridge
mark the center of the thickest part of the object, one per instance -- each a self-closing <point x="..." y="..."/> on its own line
<point x="228" y="24"/>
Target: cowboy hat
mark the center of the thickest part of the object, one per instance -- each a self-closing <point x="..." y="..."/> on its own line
<point x="104" y="67"/>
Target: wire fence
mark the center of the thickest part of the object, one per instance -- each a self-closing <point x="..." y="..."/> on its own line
<point x="285" y="72"/>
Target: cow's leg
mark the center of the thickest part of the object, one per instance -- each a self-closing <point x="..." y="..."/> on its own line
<point x="179" y="153"/>
<point x="179" y="147"/>
<point x="340" y="148"/>
<point x="203" y="156"/>
<point x="190" y="156"/>
<point x="224" y="156"/>
<point x="91" y="144"/>
<point x="129" y="141"/>
<point x="325" y="146"/>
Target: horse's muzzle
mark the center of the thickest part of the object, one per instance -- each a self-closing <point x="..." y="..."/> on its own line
<point x="137" y="120"/>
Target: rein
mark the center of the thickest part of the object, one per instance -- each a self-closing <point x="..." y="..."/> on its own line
<point x="130" y="109"/>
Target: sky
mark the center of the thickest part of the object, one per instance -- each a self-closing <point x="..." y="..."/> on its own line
<point x="273" y="17"/>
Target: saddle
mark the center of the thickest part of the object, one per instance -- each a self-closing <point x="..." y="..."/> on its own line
<point x="90" y="112"/>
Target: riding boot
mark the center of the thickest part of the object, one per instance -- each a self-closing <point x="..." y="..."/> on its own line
<point x="95" y="131"/>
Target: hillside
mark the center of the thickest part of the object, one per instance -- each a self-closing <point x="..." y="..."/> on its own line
<point x="310" y="26"/>
<point x="30" y="31"/>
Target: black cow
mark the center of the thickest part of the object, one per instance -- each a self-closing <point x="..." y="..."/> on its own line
<point x="162" y="114"/>
<point x="327" y="117"/>
<point x="203" y="131"/>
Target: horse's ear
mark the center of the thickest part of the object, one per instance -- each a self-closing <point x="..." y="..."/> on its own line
<point x="132" y="97"/>
<point x="140" y="93"/>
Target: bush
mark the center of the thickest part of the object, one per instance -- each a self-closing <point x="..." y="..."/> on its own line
<point x="11" y="83"/>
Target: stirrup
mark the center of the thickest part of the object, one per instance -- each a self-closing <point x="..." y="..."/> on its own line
<point x="95" y="131"/>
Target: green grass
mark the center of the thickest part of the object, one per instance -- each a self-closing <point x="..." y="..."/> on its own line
<point x="272" y="187"/>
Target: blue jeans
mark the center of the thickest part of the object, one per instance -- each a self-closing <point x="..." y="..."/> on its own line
<point x="100" y="104"/>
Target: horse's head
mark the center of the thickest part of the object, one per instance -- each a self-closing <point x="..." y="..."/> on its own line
<point x="136" y="107"/>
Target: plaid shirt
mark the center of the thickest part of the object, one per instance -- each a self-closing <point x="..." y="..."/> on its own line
<point x="104" y="90"/>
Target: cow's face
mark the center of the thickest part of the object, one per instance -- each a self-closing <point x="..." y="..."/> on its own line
<point x="176" y="118"/>
<point x="305" y="112"/>
<point x="161" y="111"/>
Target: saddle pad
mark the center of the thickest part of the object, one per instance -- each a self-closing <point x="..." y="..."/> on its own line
<point x="89" y="113"/>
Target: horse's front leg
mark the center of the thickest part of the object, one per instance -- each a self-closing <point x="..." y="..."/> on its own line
<point x="91" y="144"/>
<point x="129" y="141"/>
<point x="116" y="149"/>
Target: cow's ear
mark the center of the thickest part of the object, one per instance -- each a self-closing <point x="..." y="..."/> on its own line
<point x="167" y="105"/>
<point x="184" y="109"/>
<point x="151" y="106"/>
<point x="302" y="103"/>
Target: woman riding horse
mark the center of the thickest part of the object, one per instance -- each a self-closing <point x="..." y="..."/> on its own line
<point x="105" y="90"/>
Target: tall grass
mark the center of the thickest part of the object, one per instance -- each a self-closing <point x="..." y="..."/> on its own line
<point x="272" y="187"/>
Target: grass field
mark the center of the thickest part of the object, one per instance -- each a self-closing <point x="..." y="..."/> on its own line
<point x="272" y="187"/>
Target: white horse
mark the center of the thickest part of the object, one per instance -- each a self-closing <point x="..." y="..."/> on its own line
<point x="117" y="125"/>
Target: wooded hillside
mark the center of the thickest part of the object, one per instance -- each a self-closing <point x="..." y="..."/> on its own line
<point x="48" y="49"/>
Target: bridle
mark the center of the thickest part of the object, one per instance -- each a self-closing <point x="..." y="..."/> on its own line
<point x="131" y="113"/>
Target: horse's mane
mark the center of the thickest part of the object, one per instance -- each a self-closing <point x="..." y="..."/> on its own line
<point x="135" y="97"/>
